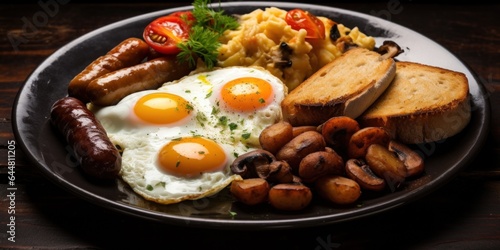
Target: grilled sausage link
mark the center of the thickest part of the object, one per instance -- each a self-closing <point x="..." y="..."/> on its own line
<point x="129" y="52"/>
<point x="96" y="154"/>
<point x="112" y="87"/>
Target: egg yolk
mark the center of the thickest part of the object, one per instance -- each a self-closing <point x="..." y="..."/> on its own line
<point x="191" y="156"/>
<point x="162" y="108"/>
<point x="247" y="93"/>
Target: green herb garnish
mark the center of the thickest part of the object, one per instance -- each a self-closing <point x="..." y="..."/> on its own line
<point x="223" y="120"/>
<point x="246" y="135"/>
<point x="233" y="126"/>
<point x="203" y="41"/>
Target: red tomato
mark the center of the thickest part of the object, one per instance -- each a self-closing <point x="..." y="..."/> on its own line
<point x="187" y="16"/>
<point x="164" y="33"/>
<point x="301" y="19"/>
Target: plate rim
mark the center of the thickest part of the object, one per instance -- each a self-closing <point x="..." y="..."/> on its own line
<point x="236" y="224"/>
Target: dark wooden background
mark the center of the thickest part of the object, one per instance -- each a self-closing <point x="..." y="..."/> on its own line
<point x="463" y="214"/>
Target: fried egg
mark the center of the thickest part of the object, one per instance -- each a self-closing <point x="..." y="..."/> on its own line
<point x="179" y="140"/>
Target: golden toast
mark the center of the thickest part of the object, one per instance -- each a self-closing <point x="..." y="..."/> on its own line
<point x="346" y="86"/>
<point x="423" y="104"/>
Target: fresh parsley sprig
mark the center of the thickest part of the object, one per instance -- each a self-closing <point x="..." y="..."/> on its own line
<point x="203" y="41"/>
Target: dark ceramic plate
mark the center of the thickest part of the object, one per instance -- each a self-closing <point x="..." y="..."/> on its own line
<point x="51" y="155"/>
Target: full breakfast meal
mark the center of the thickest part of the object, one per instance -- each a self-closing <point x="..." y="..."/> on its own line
<point x="276" y="106"/>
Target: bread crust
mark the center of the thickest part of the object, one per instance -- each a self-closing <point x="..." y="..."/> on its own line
<point x="423" y="104"/>
<point x="347" y="86"/>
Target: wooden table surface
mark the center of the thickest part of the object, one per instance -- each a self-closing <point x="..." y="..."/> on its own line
<point x="463" y="214"/>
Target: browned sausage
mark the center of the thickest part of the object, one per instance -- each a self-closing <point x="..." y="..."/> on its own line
<point x="112" y="87"/>
<point x="129" y="52"/>
<point x="96" y="154"/>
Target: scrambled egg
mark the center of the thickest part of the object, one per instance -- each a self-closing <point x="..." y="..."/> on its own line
<point x="265" y="39"/>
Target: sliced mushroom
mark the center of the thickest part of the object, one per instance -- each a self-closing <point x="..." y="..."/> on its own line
<point x="359" y="171"/>
<point x="338" y="130"/>
<point x="246" y="164"/>
<point x="363" y="138"/>
<point x="334" y="33"/>
<point x="275" y="172"/>
<point x="413" y="162"/>
<point x="386" y="165"/>
<point x="282" y="57"/>
<point x="389" y="49"/>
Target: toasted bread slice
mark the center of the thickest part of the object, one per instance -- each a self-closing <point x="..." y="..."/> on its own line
<point x="347" y="86"/>
<point x="423" y="104"/>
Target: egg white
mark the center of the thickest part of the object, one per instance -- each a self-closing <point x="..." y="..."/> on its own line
<point x="236" y="132"/>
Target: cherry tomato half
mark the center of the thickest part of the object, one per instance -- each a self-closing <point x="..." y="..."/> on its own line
<point x="186" y="16"/>
<point x="164" y="33"/>
<point x="301" y="19"/>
